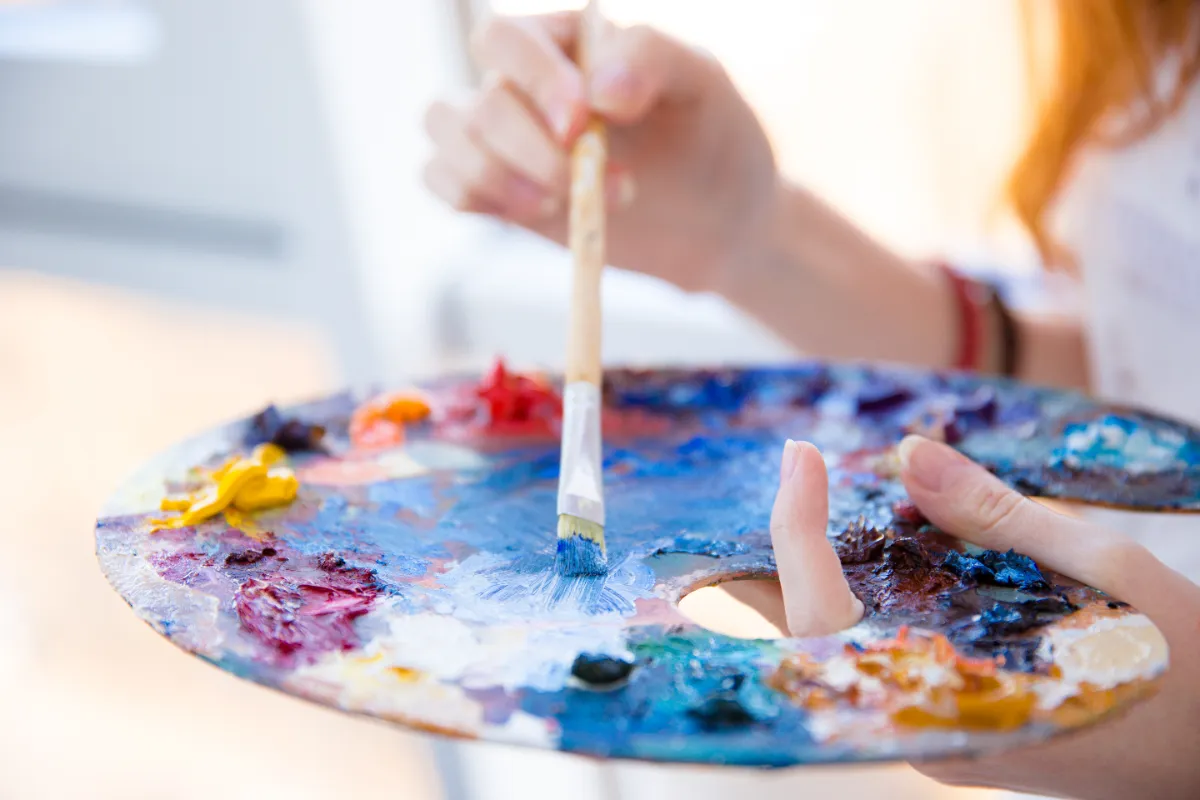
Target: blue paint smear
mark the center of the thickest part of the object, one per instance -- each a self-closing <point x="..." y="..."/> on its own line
<point x="1119" y="442"/>
<point x="697" y="546"/>
<point x="577" y="556"/>
<point x="666" y="706"/>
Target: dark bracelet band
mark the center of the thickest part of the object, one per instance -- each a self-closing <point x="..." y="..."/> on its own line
<point x="1010" y="338"/>
<point x="973" y="299"/>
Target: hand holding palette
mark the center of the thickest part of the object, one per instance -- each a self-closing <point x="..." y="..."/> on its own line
<point x="411" y="576"/>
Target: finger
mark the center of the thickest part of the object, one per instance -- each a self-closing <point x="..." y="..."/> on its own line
<point x="964" y="499"/>
<point x="447" y="186"/>
<point x="817" y="599"/>
<point x="620" y="192"/>
<point x="529" y="52"/>
<point x="481" y="174"/>
<point x="508" y="127"/>
<point x="637" y="67"/>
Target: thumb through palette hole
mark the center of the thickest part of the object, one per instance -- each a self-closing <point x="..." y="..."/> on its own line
<point x="745" y="608"/>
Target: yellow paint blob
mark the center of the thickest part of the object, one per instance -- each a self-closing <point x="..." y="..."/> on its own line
<point x="278" y="487"/>
<point x="240" y="485"/>
<point x="405" y="674"/>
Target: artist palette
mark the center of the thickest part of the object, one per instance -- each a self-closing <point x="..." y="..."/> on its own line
<point x="415" y="582"/>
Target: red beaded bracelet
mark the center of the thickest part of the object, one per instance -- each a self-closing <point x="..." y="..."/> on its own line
<point x="970" y="315"/>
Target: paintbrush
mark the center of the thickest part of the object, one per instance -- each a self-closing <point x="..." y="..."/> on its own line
<point x="581" y="549"/>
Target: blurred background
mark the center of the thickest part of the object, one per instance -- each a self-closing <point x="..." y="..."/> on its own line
<point x="206" y="206"/>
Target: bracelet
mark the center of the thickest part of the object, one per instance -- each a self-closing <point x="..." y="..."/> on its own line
<point x="970" y="319"/>
<point x="973" y="298"/>
<point x="1010" y="341"/>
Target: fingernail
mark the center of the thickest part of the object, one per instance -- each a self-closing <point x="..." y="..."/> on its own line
<point x="928" y="465"/>
<point x="562" y="118"/>
<point x="791" y="457"/>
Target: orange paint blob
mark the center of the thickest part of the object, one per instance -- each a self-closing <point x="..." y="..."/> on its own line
<point x="919" y="679"/>
<point x="379" y="422"/>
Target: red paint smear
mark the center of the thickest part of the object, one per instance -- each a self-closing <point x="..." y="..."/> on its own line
<point x="519" y="403"/>
<point x="309" y="618"/>
<point x="512" y="405"/>
<point x="905" y="511"/>
<point x="504" y="404"/>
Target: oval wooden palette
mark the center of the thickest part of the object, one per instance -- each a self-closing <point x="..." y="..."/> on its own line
<point x="416" y="583"/>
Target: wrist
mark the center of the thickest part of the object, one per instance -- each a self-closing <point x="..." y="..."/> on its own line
<point x="760" y="248"/>
<point x="832" y="290"/>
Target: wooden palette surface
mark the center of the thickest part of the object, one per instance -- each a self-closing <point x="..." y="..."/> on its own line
<point x="415" y="583"/>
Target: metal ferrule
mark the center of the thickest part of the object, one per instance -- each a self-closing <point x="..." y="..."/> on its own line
<point x="580" y="480"/>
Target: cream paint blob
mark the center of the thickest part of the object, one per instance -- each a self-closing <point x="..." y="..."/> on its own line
<point x="1109" y="652"/>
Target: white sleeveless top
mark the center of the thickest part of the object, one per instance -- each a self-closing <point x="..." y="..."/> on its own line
<point x="1131" y="217"/>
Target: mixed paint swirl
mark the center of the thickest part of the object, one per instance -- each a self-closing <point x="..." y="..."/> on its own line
<point x="413" y="581"/>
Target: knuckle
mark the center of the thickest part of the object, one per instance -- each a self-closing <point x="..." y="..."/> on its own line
<point x="1118" y="559"/>
<point x="997" y="508"/>
<point x="780" y="526"/>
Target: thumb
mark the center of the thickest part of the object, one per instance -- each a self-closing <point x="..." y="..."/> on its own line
<point x="636" y="67"/>
<point x="816" y="596"/>
<point x="965" y="500"/>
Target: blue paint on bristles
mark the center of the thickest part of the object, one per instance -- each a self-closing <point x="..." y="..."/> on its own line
<point x="581" y="549"/>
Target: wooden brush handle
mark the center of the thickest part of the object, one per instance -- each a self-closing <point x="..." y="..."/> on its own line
<point x="587" y="228"/>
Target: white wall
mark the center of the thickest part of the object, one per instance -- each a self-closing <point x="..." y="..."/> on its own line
<point x="382" y="62"/>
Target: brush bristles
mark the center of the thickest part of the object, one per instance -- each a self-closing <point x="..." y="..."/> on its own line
<point x="581" y="548"/>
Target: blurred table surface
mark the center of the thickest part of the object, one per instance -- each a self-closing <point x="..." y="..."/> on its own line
<point x="94" y="704"/>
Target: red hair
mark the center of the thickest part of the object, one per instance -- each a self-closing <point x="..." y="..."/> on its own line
<point x="1107" y="59"/>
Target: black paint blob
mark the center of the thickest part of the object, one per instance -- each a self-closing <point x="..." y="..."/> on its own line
<point x="722" y="711"/>
<point x="600" y="670"/>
